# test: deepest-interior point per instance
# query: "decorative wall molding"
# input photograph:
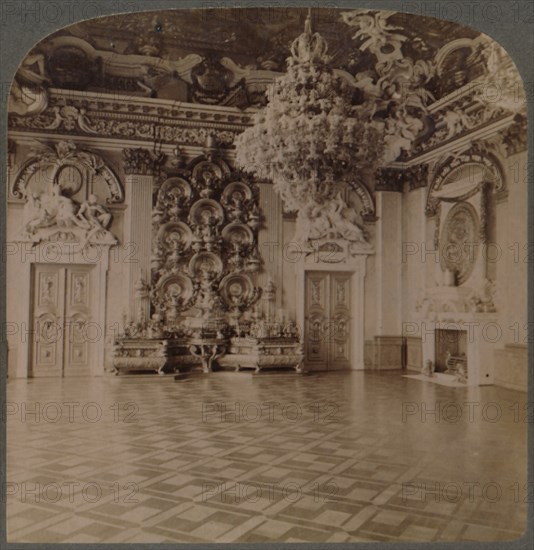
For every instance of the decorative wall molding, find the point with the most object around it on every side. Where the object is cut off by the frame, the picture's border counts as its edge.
(479, 154)
(11, 152)
(368, 212)
(65, 155)
(132, 118)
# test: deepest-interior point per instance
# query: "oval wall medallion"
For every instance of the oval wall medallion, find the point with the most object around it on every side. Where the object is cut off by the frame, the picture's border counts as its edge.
(459, 241)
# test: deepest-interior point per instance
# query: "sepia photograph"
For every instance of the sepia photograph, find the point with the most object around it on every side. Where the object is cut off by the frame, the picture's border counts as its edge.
(266, 278)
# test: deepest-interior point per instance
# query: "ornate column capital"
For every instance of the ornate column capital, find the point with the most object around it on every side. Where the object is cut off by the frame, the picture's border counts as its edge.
(393, 179)
(390, 179)
(140, 161)
(417, 176)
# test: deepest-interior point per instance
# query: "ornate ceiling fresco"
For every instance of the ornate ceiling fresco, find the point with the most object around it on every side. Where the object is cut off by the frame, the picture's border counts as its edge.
(408, 66)
(201, 55)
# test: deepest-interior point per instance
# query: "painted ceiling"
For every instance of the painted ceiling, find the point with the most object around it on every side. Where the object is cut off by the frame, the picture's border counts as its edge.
(258, 37)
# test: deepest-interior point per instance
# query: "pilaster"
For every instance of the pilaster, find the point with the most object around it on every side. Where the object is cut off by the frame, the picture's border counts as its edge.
(139, 167)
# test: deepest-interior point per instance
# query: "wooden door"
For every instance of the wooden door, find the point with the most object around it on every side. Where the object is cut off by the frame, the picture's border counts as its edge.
(328, 320)
(63, 331)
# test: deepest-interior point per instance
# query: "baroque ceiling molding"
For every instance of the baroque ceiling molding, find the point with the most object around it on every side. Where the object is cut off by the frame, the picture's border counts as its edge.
(87, 113)
(113, 64)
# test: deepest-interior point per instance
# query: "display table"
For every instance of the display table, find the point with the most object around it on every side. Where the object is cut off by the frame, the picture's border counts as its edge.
(140, 354)
(185, 354)
(260, 353)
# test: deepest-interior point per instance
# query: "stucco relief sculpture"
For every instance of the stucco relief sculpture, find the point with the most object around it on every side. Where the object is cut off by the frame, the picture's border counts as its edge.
(335, 220)
(53, 214)
(68, 166)
(94, 215)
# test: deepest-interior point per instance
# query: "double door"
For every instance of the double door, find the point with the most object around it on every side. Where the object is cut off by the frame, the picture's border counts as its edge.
(328, 321)
(63, 333)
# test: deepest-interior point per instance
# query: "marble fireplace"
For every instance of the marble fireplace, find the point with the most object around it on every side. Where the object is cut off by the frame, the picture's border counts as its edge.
(478, 332)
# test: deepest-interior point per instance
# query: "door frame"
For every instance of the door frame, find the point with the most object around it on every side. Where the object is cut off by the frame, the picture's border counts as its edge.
(328, 278)
(67, 254)
(356, 267)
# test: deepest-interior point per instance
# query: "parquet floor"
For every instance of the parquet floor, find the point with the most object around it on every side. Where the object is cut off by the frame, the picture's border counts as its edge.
(232, 457)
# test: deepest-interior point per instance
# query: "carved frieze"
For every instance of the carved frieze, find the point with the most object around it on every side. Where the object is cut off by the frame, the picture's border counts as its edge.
(133, 118)
(417, 176)
(393, 179)
(456, 120)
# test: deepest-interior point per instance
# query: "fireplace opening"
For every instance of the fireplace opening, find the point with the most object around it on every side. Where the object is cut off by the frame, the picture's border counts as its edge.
(451, 351)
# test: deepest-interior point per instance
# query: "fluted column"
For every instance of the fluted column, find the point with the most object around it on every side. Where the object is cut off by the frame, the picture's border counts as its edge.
(139, 168)
(270, 240)
(388, 262)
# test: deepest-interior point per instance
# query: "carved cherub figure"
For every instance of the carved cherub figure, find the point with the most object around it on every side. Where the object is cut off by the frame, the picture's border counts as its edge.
(94, 214)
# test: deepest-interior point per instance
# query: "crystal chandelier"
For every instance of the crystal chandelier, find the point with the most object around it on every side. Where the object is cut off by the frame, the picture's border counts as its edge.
(320, 129)
(309, 136)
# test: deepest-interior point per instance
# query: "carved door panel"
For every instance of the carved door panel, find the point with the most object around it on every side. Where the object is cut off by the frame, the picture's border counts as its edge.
(339, 340)
(61, 317)
(48, 310)
(327, 320)
(316, 318)
(81, 334)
